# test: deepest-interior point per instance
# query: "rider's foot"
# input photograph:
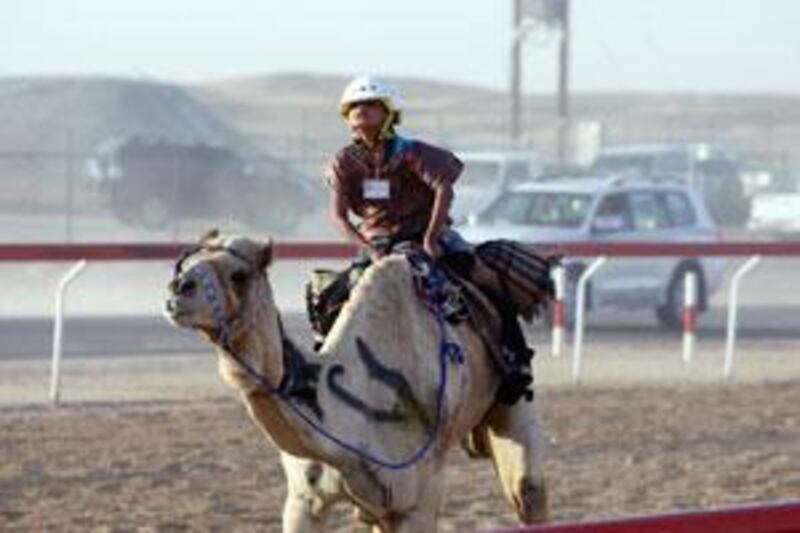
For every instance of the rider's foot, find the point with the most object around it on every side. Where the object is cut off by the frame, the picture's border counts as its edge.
(515, 385)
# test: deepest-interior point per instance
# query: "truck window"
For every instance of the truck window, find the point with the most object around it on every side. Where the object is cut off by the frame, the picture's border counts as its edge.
(680, 210)
(614, 214)
(648, 212)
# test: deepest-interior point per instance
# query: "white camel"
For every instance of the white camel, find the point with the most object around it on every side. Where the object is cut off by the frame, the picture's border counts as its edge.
(374, 385)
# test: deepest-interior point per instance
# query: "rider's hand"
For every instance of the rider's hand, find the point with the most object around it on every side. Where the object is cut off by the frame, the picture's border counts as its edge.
(432, 247)
(376, 255)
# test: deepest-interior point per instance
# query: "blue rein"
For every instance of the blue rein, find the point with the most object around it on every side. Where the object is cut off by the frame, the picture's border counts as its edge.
(447, 351)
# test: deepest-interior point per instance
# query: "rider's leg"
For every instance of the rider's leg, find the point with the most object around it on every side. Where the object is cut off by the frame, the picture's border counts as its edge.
(325, 298)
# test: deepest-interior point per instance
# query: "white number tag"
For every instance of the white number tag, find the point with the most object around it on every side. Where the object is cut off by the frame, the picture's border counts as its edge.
(376, 189)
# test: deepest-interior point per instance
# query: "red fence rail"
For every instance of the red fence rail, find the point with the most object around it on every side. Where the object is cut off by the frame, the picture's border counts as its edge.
(772, 518)
(337, 250)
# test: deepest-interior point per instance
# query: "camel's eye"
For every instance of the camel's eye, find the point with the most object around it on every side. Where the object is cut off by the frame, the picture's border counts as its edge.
(239, 277)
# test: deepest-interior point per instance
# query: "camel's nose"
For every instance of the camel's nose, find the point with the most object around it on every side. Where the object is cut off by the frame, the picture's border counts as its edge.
(183, 286)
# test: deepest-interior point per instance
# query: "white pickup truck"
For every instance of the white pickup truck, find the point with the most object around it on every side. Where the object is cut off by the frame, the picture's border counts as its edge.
(776, 214)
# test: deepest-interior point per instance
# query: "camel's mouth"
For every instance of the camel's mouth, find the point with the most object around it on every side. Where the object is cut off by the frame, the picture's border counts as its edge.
(178, 312)
(173, 312)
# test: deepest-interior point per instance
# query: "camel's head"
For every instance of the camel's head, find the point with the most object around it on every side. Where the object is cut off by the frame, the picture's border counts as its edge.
(213, 283)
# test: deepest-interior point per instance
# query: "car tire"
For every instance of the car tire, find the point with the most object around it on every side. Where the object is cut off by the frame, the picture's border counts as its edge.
(670, 314)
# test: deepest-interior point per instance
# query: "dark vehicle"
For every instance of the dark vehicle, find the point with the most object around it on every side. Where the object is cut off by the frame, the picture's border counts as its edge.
(155, 183)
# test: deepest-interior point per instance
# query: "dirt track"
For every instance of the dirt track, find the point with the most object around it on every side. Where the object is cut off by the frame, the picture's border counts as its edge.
(202, 465)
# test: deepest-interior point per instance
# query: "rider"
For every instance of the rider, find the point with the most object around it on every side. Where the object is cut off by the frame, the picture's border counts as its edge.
(400, 188)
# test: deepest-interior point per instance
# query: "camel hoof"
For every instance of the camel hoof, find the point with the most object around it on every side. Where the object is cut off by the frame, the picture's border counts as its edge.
(531, 501)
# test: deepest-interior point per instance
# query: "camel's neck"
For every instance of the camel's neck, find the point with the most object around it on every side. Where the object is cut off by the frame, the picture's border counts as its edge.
(369, 373)
(285, 381)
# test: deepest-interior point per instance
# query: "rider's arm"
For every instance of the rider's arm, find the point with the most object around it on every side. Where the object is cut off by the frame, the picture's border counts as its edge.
(335, 178)
(342, 220)
(439, 216)
(439, 169)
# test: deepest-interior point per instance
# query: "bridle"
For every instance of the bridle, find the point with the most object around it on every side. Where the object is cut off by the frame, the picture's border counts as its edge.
(224, 324)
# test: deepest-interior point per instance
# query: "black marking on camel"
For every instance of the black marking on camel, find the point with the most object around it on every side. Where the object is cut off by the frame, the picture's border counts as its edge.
(300, 378)
(390, 377)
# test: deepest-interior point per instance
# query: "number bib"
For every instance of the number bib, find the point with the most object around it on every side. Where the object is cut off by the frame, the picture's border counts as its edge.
(376, 189)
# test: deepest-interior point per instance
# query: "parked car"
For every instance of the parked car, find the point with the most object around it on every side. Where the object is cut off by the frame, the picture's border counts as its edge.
(776, 214)
(488, 173)
(615, 209)
(714, 171)
(153, 183)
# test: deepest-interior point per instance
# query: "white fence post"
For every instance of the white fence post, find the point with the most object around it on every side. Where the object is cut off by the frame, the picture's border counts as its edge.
(733, 310)
(55, 370)
(689, 315)
(580, 311)
(559, 280)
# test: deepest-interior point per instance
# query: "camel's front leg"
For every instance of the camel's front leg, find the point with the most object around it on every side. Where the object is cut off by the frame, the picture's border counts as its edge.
(312, 489)
(515, 442)
(299, 517)
(424, 515)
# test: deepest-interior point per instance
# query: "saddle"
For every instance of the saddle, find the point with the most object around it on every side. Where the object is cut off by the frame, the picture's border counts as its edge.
(491, 288)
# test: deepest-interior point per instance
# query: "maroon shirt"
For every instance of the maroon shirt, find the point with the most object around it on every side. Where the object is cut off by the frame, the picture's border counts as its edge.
(393, 195)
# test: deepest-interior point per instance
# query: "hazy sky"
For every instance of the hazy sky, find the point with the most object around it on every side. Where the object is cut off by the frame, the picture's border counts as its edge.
(730, 45)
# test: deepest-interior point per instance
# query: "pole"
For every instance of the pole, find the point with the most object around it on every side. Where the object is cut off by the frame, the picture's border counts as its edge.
(559, 279)
(563, 83)
(733, 312)
(58, 328)
(516, 73)
(689, 315)
(580, 312)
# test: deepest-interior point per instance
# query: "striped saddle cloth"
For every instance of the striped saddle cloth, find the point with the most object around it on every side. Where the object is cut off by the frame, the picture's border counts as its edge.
(524, 274)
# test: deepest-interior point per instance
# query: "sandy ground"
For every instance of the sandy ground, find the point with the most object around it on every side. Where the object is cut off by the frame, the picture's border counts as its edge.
(201, 465)
(158, 444)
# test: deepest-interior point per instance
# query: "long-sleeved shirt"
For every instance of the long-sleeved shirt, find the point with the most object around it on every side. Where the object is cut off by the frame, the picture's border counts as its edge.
(391, 189)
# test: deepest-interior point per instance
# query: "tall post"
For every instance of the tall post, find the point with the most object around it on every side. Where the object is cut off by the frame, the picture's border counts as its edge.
(563, 82)
(516, 73)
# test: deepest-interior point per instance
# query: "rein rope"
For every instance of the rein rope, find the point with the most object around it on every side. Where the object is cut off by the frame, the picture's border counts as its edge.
(448, 351)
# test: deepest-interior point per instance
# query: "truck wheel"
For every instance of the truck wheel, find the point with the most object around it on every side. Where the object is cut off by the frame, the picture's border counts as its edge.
(670, 315)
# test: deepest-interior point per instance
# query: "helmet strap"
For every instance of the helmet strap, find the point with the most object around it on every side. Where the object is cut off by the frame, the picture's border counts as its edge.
(387, 130)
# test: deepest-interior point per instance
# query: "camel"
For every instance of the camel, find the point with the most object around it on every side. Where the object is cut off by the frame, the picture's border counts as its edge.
(345, 418)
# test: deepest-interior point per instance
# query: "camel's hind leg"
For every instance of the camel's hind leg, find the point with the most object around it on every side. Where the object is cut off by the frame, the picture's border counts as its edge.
(515, 442)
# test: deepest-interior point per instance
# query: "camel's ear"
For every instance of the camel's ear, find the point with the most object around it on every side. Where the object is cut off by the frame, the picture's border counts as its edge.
(210, 235)
(265, 255)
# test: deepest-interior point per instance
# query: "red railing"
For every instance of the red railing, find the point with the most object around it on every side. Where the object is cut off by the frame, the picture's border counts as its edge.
(336, 250)
(771, 518)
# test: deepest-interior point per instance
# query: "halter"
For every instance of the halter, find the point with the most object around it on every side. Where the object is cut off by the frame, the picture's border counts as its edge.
(222, 324)
(448, 352)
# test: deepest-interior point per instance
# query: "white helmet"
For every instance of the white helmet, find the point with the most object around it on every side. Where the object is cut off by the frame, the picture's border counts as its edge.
(364, 88)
